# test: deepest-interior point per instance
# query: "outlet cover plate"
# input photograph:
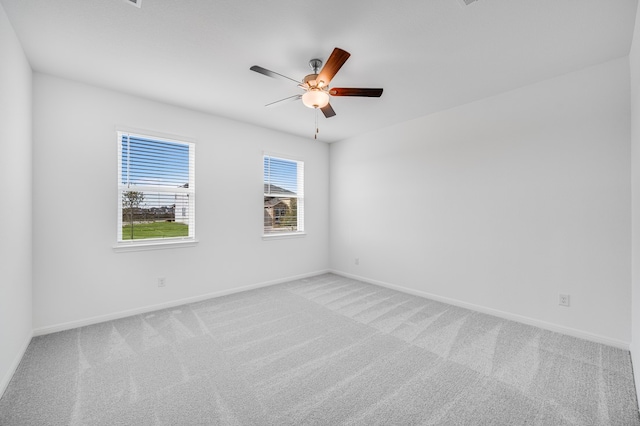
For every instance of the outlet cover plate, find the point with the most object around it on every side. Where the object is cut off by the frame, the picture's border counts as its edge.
(563, 300)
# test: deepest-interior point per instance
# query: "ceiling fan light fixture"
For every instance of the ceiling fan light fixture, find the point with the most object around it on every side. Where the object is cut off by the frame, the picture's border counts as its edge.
(315, 98)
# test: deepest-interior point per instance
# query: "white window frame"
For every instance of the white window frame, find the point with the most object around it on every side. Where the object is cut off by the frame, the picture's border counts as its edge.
(299, 195)
(156, 243)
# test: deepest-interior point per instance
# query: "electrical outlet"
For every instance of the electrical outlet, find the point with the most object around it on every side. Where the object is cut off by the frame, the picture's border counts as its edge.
(563, 300)
(357, 261)
(162, 281)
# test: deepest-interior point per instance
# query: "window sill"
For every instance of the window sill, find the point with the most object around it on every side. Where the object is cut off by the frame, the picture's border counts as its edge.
(283, 236)
(153, 245)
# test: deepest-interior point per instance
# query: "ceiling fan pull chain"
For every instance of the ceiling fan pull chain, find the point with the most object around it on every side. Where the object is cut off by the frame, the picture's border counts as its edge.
(317, 130)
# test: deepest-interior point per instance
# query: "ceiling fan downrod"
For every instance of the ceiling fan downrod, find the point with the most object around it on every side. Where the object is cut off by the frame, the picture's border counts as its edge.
(315, 65)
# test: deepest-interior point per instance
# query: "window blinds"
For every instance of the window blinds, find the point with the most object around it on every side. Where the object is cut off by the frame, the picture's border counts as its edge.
(156, 182)
(283, 195)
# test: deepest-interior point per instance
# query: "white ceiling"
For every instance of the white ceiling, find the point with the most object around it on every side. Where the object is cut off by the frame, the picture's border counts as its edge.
(428, 55)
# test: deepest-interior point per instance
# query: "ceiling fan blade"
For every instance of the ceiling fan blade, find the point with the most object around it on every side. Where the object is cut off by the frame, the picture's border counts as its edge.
(272, 74)
(281, 101)
(328, 111)
(334, 63)
(352, 91)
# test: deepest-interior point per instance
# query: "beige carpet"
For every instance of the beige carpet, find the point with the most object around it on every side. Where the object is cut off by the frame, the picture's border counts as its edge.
(320, 351)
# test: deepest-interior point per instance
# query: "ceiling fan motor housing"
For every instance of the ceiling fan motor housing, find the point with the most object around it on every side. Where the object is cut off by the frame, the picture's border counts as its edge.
(310, 81)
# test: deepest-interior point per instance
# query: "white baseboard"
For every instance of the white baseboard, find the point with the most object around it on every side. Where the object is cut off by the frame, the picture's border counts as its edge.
(170, 304)
(495, 312)
(478, 308)
(4, 383)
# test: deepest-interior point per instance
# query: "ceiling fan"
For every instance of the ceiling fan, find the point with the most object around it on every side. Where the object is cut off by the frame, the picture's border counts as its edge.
(316, 85)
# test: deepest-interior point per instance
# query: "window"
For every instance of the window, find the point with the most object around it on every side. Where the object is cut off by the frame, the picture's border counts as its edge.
(283, 196)
(156, 190)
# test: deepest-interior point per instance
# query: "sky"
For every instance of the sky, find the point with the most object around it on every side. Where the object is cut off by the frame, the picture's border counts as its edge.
(155, 162)
(280, 172)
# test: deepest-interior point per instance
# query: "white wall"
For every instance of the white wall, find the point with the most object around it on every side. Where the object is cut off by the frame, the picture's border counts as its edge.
(500, 204)
(634, 59)
(15, 208)
(78, 278)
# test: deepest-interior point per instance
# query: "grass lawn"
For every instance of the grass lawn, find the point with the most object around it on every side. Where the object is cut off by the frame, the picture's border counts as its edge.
(155, 230)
